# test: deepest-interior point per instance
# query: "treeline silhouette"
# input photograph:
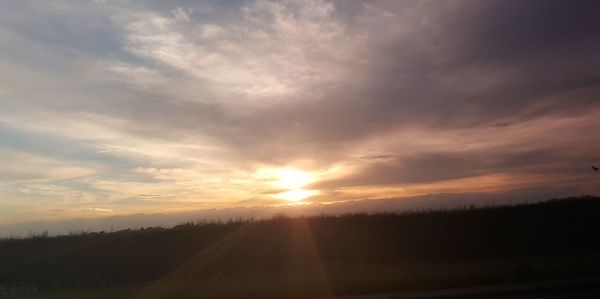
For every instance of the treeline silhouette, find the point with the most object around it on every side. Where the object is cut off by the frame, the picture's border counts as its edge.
(348, 253)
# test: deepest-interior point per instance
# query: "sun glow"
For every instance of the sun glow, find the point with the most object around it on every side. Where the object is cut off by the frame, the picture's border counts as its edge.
(292, 178)
(297, 194)
(292, 181)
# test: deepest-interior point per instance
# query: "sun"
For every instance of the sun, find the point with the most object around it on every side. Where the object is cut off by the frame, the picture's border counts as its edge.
(297, 194)
(294, 180)
(289, 178)
(291, 181)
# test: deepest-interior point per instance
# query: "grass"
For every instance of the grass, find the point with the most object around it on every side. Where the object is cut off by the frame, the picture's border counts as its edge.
(312, 256)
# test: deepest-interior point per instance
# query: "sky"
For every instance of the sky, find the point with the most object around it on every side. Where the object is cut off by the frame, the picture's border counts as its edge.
(112, 108)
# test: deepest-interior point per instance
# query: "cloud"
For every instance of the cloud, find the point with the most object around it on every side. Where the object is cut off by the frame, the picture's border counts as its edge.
(28, 167)
(153, 105)
(180, 15)
(249, 59)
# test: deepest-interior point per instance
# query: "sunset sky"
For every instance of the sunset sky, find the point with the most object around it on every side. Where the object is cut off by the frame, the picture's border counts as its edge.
(126, 107)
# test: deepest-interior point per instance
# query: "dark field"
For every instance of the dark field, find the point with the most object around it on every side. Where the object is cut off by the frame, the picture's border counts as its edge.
(313, 256)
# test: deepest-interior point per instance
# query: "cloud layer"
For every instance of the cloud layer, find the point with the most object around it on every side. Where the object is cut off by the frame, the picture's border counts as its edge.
(127, 107)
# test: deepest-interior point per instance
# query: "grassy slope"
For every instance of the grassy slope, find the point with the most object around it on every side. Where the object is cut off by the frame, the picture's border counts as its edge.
(316, 256)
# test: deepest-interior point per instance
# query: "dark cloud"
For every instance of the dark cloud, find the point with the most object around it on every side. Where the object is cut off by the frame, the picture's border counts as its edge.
(517, 31)
(466, 65)
(433, 167)
(502, 59)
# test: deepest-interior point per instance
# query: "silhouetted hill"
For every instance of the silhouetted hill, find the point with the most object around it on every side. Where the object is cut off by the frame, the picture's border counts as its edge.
(321, 255)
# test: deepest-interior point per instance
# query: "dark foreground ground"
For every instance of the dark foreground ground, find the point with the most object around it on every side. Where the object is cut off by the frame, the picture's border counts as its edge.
(573, 288)
(328, 256)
